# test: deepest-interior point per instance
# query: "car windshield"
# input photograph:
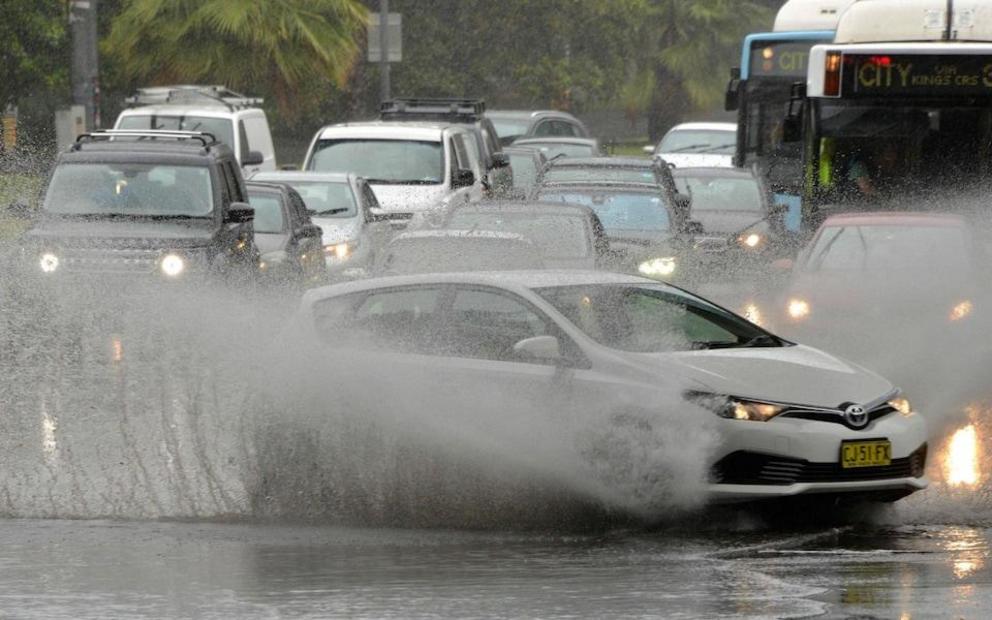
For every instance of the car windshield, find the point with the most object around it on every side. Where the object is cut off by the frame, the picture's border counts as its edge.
(599, 174)
(220, 128)
(268, 212)
(507, 128)
(652, 319)
(891, 249)
(565, 236)
(406, 256)
(327, 199)
(401, 162)
(524, 169)
(618, 211)
(130, 189)
(711, 193)
(718, 142)
(553, 149)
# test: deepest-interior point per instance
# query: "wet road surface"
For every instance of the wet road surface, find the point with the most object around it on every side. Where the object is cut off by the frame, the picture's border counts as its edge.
(100, 569)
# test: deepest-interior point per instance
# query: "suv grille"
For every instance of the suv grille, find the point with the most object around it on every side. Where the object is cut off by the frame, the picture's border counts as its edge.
(114, 260)
(753, 468)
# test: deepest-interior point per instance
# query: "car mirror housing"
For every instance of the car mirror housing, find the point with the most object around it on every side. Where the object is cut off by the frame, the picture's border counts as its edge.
(544, 348)
(19, 210)
(501, 160)
(239, 213)
(254, 158)
(463, 178)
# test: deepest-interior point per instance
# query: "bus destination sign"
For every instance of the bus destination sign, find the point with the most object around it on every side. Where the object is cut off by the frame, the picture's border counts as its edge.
(881, 75)
(780, 58)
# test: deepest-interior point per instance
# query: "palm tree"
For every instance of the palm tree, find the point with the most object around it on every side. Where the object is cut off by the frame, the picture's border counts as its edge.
(687, 49)
(290, 48)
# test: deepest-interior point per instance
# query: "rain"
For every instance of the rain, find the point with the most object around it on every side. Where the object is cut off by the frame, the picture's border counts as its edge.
(558, 309)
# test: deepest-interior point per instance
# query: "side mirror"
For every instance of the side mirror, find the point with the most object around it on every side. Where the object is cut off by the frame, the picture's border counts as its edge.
(792, 129)
(543, 348)
(732, 99)
(313, 231)
(239, 213)
(500, 160)
(648, 149)
(378, 214)
(254, 158)
(463, 178)
(694, 227)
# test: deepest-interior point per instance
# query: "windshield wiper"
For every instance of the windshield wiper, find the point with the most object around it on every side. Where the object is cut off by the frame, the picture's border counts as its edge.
(763, 340)
(687, 148)
(331, 211)
(717, 147)
(403, 182)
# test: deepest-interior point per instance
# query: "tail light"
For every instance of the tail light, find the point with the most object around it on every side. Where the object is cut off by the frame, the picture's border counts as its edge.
(831, 74)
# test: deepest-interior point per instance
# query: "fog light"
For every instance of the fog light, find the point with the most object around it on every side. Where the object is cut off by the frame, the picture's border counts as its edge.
(658, 267)
(340, 251)
(172, 265)
(48, 262)
(752, 240)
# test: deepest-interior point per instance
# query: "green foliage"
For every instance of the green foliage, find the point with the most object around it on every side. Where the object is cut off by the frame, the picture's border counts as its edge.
(289, 49)
(33, 49)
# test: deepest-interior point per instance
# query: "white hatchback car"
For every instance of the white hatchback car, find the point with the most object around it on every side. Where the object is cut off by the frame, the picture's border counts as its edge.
(792, 420)
(412, 167)
(698, 145)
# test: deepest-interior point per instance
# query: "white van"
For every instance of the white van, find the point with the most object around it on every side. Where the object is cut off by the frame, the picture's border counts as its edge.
(411, 167)
(230, 117)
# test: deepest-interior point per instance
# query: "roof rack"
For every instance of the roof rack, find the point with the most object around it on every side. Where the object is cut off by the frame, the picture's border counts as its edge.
(204, 138)
(443, 109)
(192, 94)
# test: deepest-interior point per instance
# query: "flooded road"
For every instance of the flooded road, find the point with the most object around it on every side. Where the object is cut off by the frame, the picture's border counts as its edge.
(100, 569)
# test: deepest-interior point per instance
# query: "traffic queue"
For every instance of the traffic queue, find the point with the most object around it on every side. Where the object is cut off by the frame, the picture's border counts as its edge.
(459, 240)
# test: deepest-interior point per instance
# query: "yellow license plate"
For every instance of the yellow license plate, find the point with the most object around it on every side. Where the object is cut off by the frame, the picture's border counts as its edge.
(876, 453)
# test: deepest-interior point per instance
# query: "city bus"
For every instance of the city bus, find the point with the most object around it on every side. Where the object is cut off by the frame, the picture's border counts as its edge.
(898, 109)
(760, 91)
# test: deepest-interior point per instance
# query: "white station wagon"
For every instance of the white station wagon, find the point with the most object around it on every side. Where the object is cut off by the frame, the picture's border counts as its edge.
(792, 420)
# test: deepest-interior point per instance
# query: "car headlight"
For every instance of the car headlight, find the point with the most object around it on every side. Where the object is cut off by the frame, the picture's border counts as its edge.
(751, 241)
(737, 408)
(961, 311)
(48, 262)
(798, 308)
(172, 265)
(658, 266)
(340, 251)
(902, 405)
(752, 313)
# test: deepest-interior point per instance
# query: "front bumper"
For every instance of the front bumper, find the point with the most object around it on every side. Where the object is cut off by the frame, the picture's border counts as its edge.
(791, 456)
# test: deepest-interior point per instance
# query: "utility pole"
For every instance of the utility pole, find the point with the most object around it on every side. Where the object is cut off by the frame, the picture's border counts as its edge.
(85, 61)
(384, 86)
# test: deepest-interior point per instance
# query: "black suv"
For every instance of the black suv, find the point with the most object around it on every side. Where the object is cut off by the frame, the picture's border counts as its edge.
(158, 206)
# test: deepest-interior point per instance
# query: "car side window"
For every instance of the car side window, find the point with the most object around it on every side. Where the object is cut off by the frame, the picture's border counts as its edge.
(568, 129)
(298, 209)
(544, 129)
(400, 320)
(486, 324)
(452, 159)
(243, 138)
(234, 188)
(461, 153)
(369, 202)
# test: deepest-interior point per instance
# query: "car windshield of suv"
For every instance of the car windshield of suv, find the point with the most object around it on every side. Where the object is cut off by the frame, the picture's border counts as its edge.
(220, 128)
(717, 142)
(916, 250)
(721, 193)
(565, 236)
(128, 189)
(327, 199)
(652, 319)
(618, 211)
(509, 129)
(599, 174)
(400, 162)
(269, 217)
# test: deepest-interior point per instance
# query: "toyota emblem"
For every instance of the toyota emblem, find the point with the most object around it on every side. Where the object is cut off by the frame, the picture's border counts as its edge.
(856, 416)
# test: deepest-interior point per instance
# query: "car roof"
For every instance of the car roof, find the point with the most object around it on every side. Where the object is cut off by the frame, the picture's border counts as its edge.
(715, 171)
(530, 207)
(170, 148)
(445, 233)
(522, 142)
(901, 218)
(388, 130)
(704, 127)
(601, 187)
(604, 162)
(288, 176)
(528, 279)
(207, 111)
(266, 187)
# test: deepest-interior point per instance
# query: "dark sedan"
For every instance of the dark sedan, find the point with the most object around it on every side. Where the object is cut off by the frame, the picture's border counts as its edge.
(287, 239)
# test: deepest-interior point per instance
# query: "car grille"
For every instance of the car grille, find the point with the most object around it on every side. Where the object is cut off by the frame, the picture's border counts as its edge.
(744, 467)
(837, 417)
(712, 245)
(109, 260)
